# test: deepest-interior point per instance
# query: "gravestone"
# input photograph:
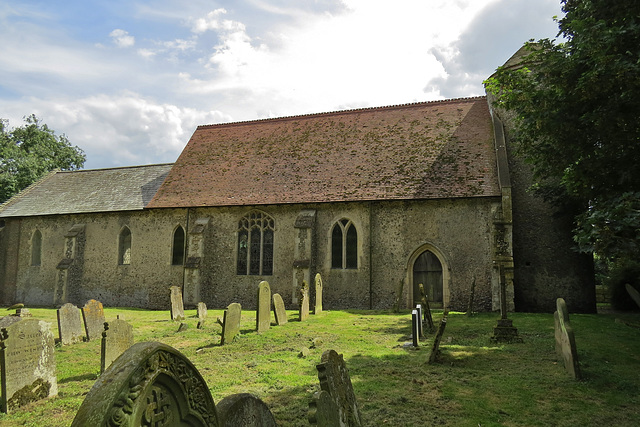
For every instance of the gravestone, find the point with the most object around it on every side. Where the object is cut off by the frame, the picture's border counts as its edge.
(27, 362)
(424, 302)
(318, 301)
(93, 316)
(177, 306)
(304, 301)
(435, 349)
(420, 323)
(279, 310)
(335, 380)
(152, 384)
(565, 339)
(70, 324)
(231, 323)
(117, 337)
(323, 410)
(244, 410)
(415, 329)
(635, 295)
(202, 314)
(263, 314)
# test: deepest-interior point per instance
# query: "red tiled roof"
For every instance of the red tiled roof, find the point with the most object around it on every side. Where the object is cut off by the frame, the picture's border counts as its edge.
(427, 150)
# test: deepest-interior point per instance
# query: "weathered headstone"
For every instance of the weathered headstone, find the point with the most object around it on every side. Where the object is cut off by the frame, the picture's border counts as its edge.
(93, 316)
(117, 337)
(565, 339)
(263, 314)
(335, 380)
(435, 349)
(70, 324)
(415, 329)
(244, 410)
(323, 410)
(304, 301)
(177, 306)
(420, 324)
(635, 295)
(279, 310)
(231, 322)
(152, 384)
(318, 292)
(424, 302)
(202, 314)
(27, 362)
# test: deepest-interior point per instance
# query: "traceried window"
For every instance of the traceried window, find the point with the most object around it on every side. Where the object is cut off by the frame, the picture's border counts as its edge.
(36, 248)
(344, 245)
(177, 250)
(124, 246)
(255, 244)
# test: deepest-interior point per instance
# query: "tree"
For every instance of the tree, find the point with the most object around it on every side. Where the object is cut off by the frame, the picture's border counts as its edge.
(576, 107)
(30, 151)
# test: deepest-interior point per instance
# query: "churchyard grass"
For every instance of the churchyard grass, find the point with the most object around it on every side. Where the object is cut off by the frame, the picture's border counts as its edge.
(474, 382)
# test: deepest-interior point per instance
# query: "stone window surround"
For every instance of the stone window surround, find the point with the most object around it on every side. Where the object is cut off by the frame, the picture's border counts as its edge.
(246, 264)
(178, 258)
(36, 248)
(345, 225)
(124, 246)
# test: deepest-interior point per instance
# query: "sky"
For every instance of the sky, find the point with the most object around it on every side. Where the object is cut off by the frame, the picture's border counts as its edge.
(128, 81)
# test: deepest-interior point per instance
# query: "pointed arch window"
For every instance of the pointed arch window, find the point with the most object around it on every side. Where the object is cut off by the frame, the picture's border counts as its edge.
(255, 244)
(344, 245)
(36, 248)
(177, 250)
(124, 246)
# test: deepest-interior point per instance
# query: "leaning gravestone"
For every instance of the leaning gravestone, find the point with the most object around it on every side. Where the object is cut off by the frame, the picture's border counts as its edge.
(424, 302)
(202, 314)
(244, 410)
(93, 315)
(435, 349)
(116, 339)
(318, 302)
(263, 314)
(279, 310)
(27, 362)
(304, 301)
(565, 339)
(231, 322)
(70, 324)
(177, 306)
(152, 384)
(335, 380)
(323, 410)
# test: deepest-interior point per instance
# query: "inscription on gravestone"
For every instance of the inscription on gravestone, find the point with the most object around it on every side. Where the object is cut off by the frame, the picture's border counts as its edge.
(304, 301)
(279, 310)
(27, 363)
(231, 322)
(318, 288)
(70, 324)
(177, 306)
(263, 314)
(93, 316)
(116, 338)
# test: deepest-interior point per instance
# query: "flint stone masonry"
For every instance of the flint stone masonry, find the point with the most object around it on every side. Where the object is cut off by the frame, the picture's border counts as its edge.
(70, 324)
(27, 362)
(304, 301)
(116, 339)
(565, 339)
(335, 380)
(279, 310)
(177, 306)
(244, 410)
(263, 314)
(231, 322)
(93, 316)
(318, 294)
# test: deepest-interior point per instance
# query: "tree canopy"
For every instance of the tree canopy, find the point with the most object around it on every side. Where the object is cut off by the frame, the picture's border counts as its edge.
(29, 151)
(576, 107)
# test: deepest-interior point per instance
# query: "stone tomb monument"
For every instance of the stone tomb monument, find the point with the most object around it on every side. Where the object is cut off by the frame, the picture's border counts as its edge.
(565, 339)
(279, 310)
(116, 338)
(304, 301)
(263, 314)
(93, 316)
(317, 309)
(231, 323)
(202, 314)
(177, 306)
(27, 362)
(70, 324)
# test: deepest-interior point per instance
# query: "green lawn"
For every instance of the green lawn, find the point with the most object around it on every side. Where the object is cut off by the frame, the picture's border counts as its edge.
(474, 383)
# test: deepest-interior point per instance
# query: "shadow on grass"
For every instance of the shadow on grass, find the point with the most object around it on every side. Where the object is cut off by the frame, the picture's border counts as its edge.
(85, 377)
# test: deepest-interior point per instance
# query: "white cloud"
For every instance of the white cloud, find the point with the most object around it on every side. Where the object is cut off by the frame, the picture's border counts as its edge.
(122, 38)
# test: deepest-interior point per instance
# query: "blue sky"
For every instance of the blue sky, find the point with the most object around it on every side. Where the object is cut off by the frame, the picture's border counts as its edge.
(129, 81)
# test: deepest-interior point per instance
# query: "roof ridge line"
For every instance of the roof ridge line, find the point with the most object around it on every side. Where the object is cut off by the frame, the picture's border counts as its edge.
(117, 167)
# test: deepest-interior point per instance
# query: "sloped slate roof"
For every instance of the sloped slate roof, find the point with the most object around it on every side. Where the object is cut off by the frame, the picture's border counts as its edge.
(427, 150)
(84, 191)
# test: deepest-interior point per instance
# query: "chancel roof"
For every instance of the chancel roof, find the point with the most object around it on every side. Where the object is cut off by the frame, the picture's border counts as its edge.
(84, 191)
(439, 149)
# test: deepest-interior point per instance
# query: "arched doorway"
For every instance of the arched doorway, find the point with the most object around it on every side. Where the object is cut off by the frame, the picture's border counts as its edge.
(427, 269)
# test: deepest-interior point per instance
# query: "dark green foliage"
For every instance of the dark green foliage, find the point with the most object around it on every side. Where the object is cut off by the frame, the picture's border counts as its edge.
(618, 278)
(576, 102)
(30, 151)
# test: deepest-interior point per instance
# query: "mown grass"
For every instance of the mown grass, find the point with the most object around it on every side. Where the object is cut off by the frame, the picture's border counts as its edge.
(474, 383)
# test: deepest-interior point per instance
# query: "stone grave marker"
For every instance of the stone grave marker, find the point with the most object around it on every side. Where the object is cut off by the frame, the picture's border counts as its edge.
(420, 323)
(323, 410)
(565, 339)
(335, 380)
(424, 302)
(304, 301)
(244, 410)
(317, 309)
(231, 322)
(70, 324)
(152, 384)
(415, 329)
(202, 314)
(177, 306)
(435, 349)
(27, 362)
(93, 316)
(117, 337)
(278, 310)
(635, 295)
(263, 314)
